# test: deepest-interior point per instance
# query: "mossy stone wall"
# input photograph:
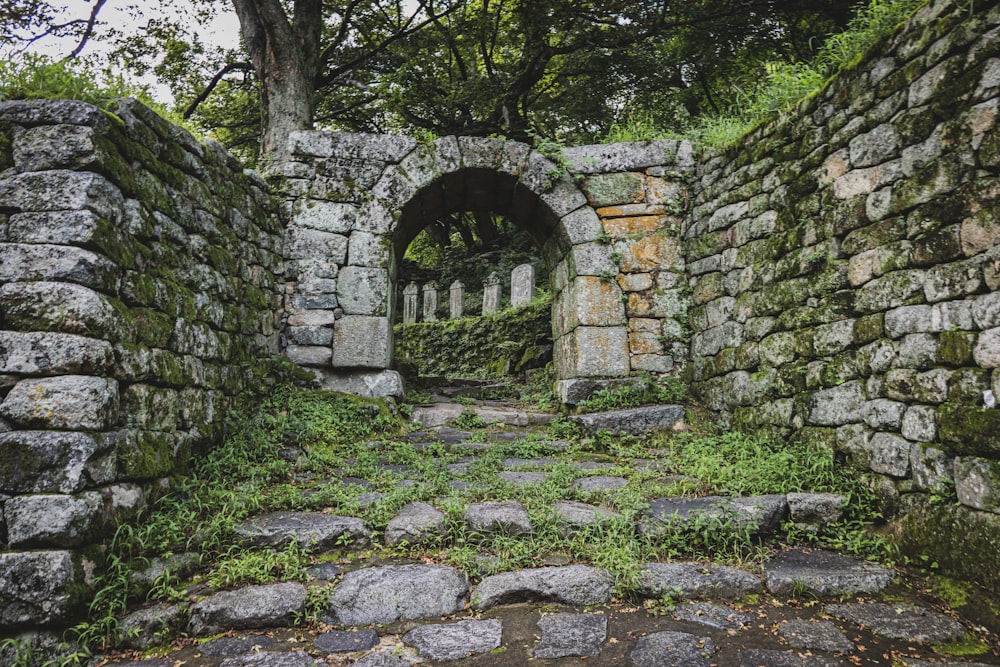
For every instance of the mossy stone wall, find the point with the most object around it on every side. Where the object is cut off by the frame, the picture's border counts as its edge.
(845, 267)
(138, 293)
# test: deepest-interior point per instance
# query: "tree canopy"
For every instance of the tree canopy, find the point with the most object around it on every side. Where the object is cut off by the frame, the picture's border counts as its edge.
(568, 70)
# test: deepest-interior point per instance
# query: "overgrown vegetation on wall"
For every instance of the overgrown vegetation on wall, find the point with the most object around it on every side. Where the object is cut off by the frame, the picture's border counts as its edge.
(488, 346)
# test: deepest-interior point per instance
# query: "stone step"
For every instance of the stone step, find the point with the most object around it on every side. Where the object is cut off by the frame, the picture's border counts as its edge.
(632, 421)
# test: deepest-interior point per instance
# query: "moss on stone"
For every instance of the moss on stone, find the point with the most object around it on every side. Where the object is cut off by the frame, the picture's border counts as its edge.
(965, 429)
(868, 328)
(148, 455)
(955, 347)
(6, 146)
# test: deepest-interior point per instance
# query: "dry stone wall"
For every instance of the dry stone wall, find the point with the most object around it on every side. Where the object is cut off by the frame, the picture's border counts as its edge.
(137, 291)
(845, 265)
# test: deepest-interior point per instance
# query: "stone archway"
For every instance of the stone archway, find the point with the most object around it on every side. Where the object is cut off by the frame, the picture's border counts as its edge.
(455, 174)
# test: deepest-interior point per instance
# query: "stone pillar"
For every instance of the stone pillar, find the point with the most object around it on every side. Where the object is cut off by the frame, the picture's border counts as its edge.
(522, 285)
(491, 294)
(457, 299)
(410, 303)
(430, 301)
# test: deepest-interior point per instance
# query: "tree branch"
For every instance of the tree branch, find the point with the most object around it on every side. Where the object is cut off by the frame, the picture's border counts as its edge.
(88, 30)
(203, 95)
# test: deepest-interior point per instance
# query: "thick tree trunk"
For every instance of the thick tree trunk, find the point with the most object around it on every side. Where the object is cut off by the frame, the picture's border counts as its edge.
(284, 55)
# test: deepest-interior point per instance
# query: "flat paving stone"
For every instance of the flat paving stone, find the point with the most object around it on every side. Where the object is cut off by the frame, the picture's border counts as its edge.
(713, 615)
(458, 468)
(900, 621)
(815, 636)
(149, 662)
(763, 513)
(346, 641)
(582, 514)
(600, 483)
(571, 635)
(771, 658)
(522, 478)
(225, 647)
(453, 641)
(398, 592)
(368, 499)
(248, 608)
(571, 584)
(824, 573)
(634, 421)
(816, 508)
(589, 466)
(695, 580)
(672, 648)
(323, 571)
(415, 522)
(384, 659)
(272, 659)
(149, 626)
(527, 463)
(498, 516)
(310, 529)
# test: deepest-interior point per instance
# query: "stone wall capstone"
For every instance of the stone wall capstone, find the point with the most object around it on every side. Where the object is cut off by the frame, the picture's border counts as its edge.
(137, 289)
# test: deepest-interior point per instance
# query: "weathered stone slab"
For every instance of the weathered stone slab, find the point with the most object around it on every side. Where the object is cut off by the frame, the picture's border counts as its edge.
(823, 573)
(47, 461)
(225, 647)
(70, 402)
(695, 580)
(600, 483)
(415, 522)
(398, 592)
(504, 516)
(346, 641)
(311, 530)
(571, 635)
(271, 659)
(763, 513)
(384, 659)
(713, 615)
(361, 341)
(815, 636)
(454, 641)
(582, 514)
(522, 478)
(62, 307)
(768, 658)
(572, 584)
(37, 261)
(900, 621)
(53, 520)
(634, 421)
(672, 648)
(609, 158)
(150, 626)
(816, 508)
(36, 353)
(248, 608)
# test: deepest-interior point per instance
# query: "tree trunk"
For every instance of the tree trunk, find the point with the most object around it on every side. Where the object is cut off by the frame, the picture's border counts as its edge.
(284, 55)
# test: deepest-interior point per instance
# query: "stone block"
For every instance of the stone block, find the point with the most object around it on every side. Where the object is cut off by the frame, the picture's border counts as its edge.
(367, 249)
(843, 404)
(581, 226)
(932, 469)
(493, 154)
(890, 291)
(303, 243)
(48, 461)
(78, 228)
(53, 520)
(318, 336)
(563, 198)
(36, 587)
(376, 384)
(351, 145)
(148, 407)
(919, 423)
(592, 259)
(61, 307)
(325, 216)
(609, 158)
(598, 302)
(882, 413)
(57, 147)
(363, 290)
(309, 355)
(712, 341)
(875, 147)
(919, 351)
(31, 262)
(616, 188)
(39, 353)
(361, 341)
(833, 338)
(977, 483)
(985, 310)
(62, 190)
(987, 350)
(889, 454)
(600, 351)
(70, 402)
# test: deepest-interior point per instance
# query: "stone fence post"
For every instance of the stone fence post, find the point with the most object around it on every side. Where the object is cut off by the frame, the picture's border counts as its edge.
(491, 294)
(522, 285)
(457, 299)
(410, 303)
(430, 302)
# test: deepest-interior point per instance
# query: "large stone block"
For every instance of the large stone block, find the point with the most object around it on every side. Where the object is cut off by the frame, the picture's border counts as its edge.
(843, 404)
(581, 226)
(597, 301)
(367, 249)
(62, 190)
(48, 461)
(57, 147)
(608, 158)
(35, 587)
(613, 189)
(325, 216)
(62, 307)
(376, 384)
(977, 483)
(363, 290)
(351, 145)
(361, 341)
(149, 407)
(38, 353)
(987, 350)
(29, 262)
(601, 351)
(592, 259)
(71, 402)
(301, 243)
(53, 520)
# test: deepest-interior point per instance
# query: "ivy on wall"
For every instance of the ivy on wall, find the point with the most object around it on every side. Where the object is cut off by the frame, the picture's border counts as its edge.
(490, 346)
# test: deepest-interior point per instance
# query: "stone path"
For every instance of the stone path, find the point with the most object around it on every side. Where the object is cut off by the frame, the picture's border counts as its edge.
(802, 607)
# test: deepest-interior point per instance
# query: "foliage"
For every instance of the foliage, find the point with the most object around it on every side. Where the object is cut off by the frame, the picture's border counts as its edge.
(489, 346)
(469, 420)
(784, 84)
(648, 390)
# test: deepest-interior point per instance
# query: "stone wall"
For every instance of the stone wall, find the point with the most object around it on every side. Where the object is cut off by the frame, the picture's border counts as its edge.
(137, 292)
(845, 263)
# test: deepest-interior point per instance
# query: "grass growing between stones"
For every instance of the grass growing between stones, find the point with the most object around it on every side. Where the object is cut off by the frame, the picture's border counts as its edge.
(317, 451)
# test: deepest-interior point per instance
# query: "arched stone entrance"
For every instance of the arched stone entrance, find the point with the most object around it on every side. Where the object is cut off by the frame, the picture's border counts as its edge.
(357, 201)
